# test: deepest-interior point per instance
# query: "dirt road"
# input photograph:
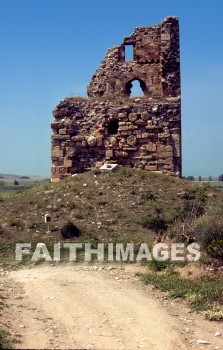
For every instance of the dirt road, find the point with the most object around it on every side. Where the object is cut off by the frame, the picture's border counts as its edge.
(97, 307)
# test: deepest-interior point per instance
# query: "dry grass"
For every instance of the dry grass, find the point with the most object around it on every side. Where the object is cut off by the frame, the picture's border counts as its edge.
(105, 207)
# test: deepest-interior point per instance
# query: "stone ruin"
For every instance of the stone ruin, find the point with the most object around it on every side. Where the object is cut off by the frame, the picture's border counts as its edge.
(110, 126)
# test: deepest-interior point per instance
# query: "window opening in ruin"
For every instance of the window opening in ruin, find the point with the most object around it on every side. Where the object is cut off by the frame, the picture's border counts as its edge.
(113, 127)
(135, 88)
(129, 52)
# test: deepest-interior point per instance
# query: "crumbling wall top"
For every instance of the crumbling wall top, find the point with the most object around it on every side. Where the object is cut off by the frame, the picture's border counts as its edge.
(155, 63)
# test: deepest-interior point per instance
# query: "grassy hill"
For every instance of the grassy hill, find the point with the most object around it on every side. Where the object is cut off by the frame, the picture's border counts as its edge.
(127, 206)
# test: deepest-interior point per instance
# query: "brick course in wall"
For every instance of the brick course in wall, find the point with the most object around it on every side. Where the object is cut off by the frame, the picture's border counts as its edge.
(110, 125)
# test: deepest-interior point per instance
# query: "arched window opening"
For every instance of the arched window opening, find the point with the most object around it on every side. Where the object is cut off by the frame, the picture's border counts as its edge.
(129, 52)
(135, 88)
(113, 127)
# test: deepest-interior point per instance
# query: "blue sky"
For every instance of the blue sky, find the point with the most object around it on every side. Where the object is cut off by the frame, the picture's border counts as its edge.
(51, 48)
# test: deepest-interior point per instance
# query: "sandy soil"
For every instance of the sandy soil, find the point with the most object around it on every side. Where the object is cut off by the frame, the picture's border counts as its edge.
(84, 306)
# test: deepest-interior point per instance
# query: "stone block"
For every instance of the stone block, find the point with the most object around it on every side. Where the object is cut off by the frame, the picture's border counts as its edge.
(151, 147)
(108, 168)
(132, 117)
(129, 148)
(121, 123)
(62, 131)
(99, 141)
(133, 127)
(151, 167)
(121, 154)
(98, 164)
(77, 138)
(109, 153)
(123, 128)
(68, 163)
(131, 140)
(165, 154)
(169, 148)
(91, 141)
(168, 161)
(62, 170)
(125, 133)
(140, 122)
(145, 116)
(56, 152)
(122, 115)
(141, 140)
(175, 137)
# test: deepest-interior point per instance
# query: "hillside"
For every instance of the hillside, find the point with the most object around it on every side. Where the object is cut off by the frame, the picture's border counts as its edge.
(125, 206)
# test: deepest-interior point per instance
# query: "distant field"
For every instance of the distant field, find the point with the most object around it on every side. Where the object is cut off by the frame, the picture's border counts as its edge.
(8, 186)
(217, 184)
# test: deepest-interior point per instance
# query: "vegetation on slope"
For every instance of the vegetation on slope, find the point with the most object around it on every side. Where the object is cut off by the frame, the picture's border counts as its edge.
(125, 206)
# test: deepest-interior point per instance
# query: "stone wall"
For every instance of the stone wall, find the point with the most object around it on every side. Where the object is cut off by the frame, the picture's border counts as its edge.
(110, 125)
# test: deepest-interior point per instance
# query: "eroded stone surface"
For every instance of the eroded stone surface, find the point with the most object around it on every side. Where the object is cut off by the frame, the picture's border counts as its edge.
(110, 125)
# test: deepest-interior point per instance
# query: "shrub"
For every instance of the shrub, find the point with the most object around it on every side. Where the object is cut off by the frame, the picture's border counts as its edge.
(156, 265)
(16, 223)
(154, 223)
(208, 229)
(200, 293)
(70, 230)
(149, 196)
(194, 204)
(215, 249)
(215, 313)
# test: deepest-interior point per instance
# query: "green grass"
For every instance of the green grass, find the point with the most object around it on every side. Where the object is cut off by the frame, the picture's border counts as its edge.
(7, 186)
(214, 183)
(201, 294)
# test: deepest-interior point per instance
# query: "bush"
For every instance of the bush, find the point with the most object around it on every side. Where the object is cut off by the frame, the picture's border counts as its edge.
(70, 230)
(208, 229)
(194, 204)
(215, 313)
(16, 223)
(156, 265)
(149, 196)
(215, 249)
(200, 293)
(154, 223)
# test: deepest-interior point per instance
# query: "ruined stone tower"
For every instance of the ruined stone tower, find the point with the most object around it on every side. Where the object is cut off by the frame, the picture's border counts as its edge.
(110, 125)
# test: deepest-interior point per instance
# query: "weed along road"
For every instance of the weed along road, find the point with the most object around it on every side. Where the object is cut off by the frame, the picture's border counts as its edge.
(102, 306)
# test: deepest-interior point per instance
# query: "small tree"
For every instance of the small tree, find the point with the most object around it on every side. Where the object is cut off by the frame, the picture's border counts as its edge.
(199, 178)
(16, 183)
(210, 178)
(190, 178)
